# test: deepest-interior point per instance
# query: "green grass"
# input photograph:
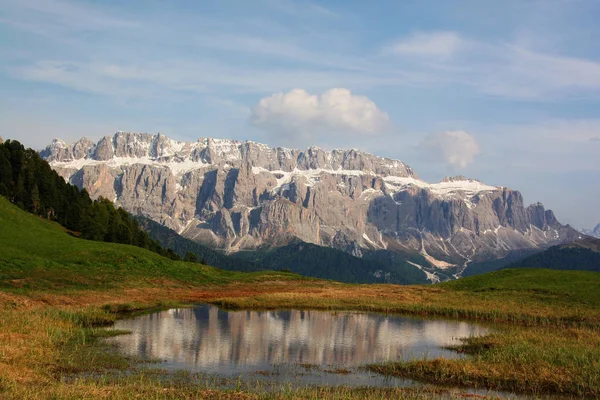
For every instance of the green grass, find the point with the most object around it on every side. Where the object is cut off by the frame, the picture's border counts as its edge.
(39, 255)
(574, 288)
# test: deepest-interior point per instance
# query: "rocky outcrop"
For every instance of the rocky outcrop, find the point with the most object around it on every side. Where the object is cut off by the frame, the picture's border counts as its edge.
(243, 195)
(60, 151)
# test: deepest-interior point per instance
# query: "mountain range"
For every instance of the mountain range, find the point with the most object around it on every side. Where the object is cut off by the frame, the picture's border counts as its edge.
(592, 232)
(245, 196)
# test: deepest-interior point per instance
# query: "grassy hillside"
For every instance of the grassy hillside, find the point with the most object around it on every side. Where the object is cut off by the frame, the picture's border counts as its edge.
(40, 254)
(30, 183)
(541, 285)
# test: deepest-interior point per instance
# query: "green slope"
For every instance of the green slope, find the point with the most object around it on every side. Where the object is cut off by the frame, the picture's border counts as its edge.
(31, 184)
(39, 254)
(545, 285)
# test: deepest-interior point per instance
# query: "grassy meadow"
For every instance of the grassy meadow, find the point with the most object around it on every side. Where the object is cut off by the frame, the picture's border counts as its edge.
(57, 292)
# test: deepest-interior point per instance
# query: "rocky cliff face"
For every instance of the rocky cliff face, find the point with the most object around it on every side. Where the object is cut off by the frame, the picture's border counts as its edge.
(243, 195)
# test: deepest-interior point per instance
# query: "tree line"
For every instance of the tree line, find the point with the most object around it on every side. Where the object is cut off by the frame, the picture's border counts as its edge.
(29, 182)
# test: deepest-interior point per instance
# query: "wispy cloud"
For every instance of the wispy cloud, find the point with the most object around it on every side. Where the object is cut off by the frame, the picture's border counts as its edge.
(139, 54)
(514, 71)
(62, 15)
(436, 44)
(171, 76)
(499, 68)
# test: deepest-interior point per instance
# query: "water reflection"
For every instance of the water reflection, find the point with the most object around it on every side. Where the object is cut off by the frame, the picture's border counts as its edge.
(208, 339)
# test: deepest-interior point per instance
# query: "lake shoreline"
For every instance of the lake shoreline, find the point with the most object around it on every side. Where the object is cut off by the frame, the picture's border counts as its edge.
(76, 319)
(297, 347)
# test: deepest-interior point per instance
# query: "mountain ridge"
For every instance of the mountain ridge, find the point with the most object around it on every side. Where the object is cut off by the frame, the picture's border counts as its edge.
(595, 232)
(236, 196)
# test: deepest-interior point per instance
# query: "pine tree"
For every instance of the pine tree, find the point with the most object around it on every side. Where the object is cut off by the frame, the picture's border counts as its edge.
(35, 198)
(190, 257)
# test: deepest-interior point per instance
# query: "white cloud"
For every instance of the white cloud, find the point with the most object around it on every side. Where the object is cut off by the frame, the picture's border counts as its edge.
(455, 148)
(305, 115)
(429, 44)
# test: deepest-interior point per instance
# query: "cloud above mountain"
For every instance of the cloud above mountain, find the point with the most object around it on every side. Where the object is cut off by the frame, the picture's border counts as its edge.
(336, 112)
(457, 149)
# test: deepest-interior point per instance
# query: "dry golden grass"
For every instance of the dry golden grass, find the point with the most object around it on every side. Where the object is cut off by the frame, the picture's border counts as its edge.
(43, 334)
(420, 300)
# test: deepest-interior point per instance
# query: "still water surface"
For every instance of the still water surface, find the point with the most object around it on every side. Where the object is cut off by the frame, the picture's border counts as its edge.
(298, 347)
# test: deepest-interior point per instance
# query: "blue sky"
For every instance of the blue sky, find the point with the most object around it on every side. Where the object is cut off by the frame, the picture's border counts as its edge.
(506, 92)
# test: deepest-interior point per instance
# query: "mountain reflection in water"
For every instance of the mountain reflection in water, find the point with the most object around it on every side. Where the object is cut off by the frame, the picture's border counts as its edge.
(205, 338)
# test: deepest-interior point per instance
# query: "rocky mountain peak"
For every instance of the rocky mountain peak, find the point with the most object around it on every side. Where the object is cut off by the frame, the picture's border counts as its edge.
(459, 178)
(58, 143)
(128, 147)
(456, 178)
(59, 150)
(592, 232)
(241, 195)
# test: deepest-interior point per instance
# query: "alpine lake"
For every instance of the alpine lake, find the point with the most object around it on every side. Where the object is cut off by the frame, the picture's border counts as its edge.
(290, 348)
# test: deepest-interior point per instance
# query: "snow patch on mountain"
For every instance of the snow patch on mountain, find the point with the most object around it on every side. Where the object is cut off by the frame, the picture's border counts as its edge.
(236, 195)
